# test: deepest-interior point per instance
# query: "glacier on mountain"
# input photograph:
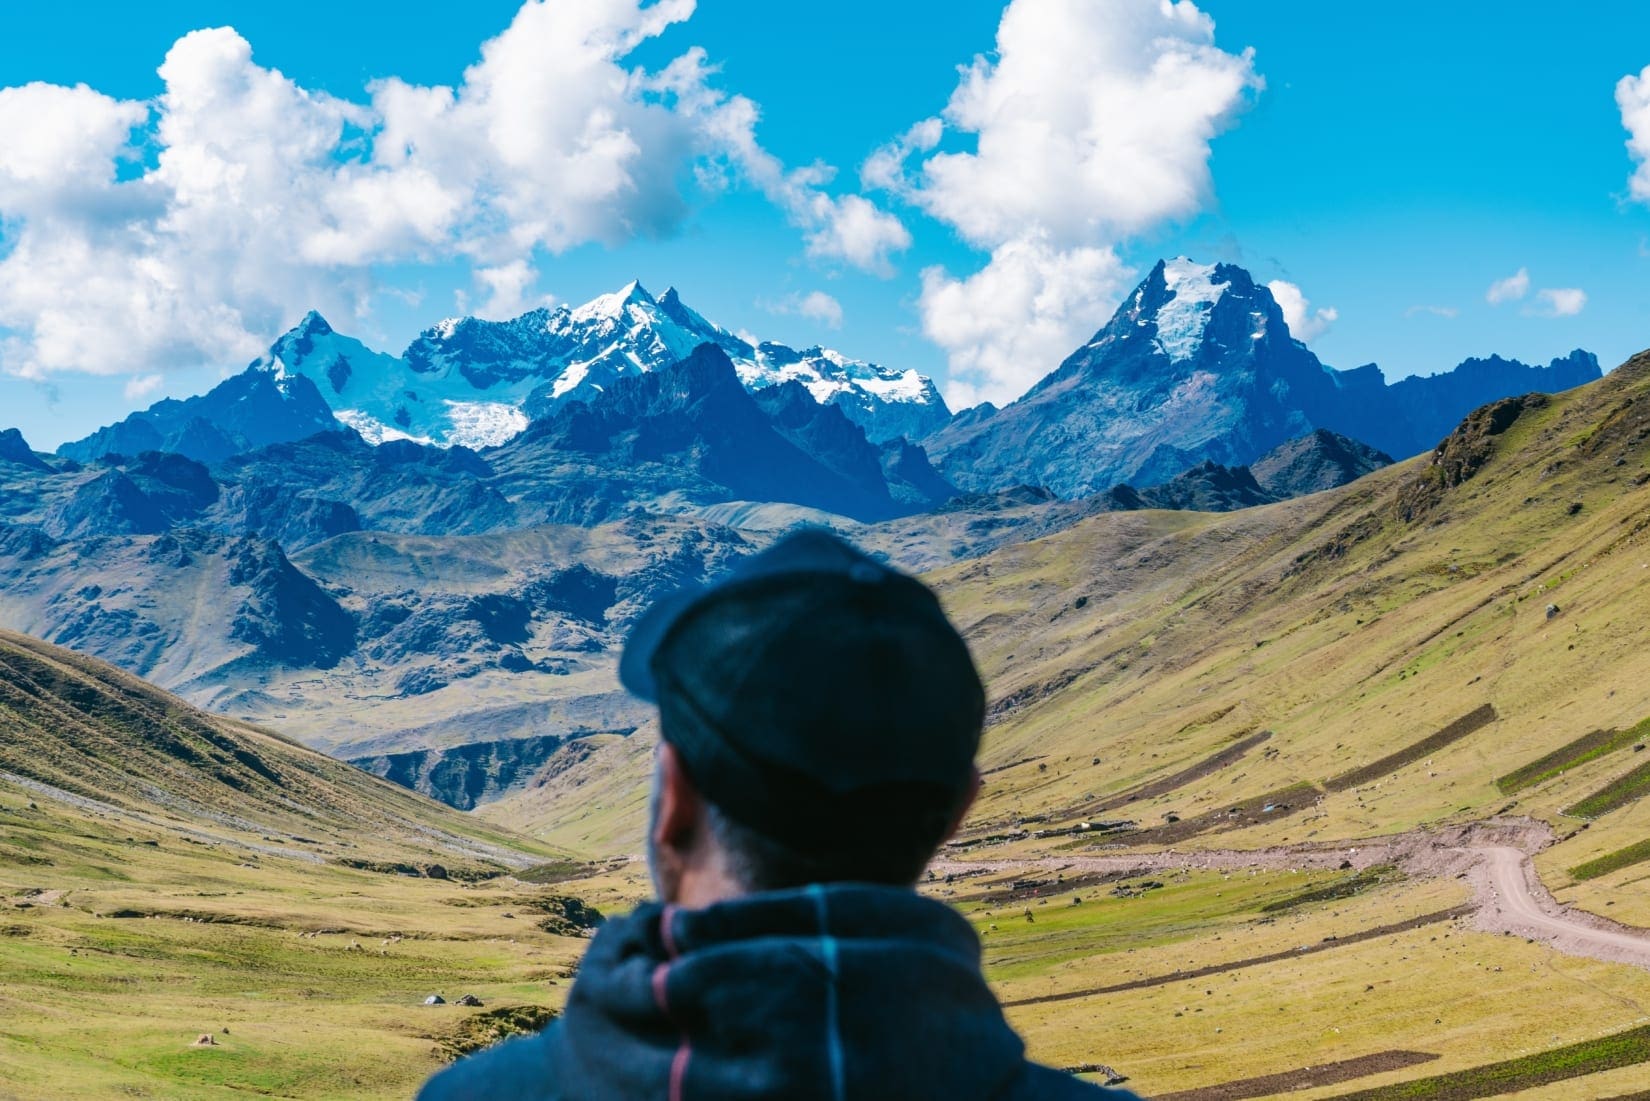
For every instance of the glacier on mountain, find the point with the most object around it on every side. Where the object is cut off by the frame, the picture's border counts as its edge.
(1183, 319)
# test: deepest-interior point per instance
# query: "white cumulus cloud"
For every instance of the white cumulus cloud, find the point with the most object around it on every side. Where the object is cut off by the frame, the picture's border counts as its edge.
(59, 136)
(884, 169)
(1510, 289)
(1305, 324)
(1008, 324)
(815, 306)
(1633, 97)
(1560, 302)
(138, 236)
(509, 290)
(142, 386)
(1091, 123)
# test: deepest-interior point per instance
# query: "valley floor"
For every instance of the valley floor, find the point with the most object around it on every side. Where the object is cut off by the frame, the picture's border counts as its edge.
(1421, 960)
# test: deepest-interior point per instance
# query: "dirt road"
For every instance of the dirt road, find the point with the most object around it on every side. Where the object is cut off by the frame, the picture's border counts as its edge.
(1510, 898)
(1493, 857)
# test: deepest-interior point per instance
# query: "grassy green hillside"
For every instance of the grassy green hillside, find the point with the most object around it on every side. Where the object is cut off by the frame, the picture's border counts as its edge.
(166, 874)
(84, 734)
(1152, 664)
(1354, 627)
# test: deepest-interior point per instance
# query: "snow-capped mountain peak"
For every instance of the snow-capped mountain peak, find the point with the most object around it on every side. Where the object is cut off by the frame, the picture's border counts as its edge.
(613, 306)
(476, 382)
(313, 324)
(1197, 365)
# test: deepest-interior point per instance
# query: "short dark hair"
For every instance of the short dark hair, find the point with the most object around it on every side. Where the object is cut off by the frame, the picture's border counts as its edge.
(759, 863)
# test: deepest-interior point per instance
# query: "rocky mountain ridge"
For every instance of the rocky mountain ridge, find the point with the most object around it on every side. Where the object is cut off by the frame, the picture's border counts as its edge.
(1199, 365)
(400, 598)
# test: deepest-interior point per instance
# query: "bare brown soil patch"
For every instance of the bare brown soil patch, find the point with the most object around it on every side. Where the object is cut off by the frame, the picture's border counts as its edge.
(1527, 1072)
(1344, 1070)
(1025, 889)
(1469, 723)
(1250, 812)
(1209, 765)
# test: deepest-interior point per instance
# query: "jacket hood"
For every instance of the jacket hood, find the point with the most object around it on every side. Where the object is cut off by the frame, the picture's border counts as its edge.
(824, 992)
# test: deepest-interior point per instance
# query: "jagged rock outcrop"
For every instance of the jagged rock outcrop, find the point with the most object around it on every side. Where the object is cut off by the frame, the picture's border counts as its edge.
(464, 776)
(694, 432)
(1315, 462)
(15, 449)
(1207, 487)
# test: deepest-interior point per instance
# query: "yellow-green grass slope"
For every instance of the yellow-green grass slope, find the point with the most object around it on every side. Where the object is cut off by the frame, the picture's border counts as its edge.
(165, 874)
(1352, 626)
(1206, 980)
(1511, 570)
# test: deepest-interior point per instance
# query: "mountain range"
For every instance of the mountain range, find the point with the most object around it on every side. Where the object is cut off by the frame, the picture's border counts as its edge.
(379, 595)
(1198, 364)
(478, 383)
(390, 600)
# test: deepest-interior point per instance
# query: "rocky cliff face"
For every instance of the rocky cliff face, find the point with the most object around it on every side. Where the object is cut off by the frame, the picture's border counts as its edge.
(1196, 365)
(14, 449)
(1315, 462)
(692, 432)
(467, 775)
(282, 613)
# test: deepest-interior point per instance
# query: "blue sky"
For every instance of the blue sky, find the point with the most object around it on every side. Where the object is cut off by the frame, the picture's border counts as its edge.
(1392, 162)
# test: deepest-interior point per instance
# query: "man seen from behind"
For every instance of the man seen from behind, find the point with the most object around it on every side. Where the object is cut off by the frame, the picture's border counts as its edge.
(819, 720)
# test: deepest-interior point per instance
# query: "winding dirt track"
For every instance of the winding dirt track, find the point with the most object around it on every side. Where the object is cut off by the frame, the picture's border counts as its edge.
(1493, 857)
(1510, 894)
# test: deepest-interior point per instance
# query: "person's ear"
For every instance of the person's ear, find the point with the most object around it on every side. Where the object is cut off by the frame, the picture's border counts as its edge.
(680, 810)
(975, 782)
